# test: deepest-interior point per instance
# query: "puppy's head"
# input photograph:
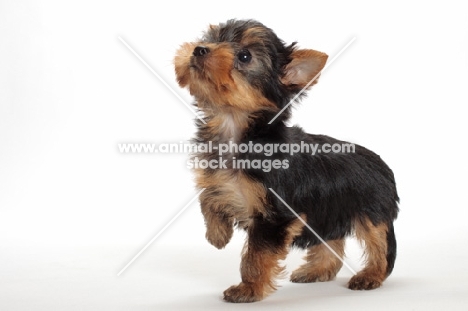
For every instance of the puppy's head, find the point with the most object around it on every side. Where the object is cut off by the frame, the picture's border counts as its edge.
(243, 64)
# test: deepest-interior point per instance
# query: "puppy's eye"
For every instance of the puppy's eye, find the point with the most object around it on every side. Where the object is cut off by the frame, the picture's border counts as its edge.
(244, 56)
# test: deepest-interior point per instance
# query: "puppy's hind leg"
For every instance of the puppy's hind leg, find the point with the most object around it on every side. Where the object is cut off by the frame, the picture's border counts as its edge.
(321, 264)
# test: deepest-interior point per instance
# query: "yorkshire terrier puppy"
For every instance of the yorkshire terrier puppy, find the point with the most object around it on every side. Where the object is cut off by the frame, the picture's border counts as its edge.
(242, 75)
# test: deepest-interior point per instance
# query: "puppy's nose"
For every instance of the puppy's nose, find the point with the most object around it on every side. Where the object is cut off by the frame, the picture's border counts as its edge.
(200, 51)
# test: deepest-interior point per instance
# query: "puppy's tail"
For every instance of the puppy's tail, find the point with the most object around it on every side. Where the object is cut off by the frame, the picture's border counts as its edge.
(391, 249)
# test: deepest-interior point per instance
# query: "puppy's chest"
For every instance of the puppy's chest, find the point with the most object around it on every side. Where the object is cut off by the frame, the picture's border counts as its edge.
(223, 133)
(230, 128)
(236, 192)
(228, 132)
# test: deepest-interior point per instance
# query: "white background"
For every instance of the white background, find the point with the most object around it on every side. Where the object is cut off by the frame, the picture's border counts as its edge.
(74, 211)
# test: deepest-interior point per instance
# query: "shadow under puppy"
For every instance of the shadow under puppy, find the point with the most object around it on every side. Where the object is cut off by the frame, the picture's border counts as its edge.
(242, 75)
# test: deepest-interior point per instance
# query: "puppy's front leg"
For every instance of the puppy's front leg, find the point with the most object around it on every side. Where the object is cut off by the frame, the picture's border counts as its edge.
(218, 220)
(267, 244)
(219, 227)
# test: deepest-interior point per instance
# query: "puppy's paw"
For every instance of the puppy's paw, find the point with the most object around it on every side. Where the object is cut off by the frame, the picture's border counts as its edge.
(219, 232)
(243, 292)
(301, 276)
(363, 281)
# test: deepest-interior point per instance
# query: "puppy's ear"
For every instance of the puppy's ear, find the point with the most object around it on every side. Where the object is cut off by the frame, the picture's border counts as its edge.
(304, 66)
